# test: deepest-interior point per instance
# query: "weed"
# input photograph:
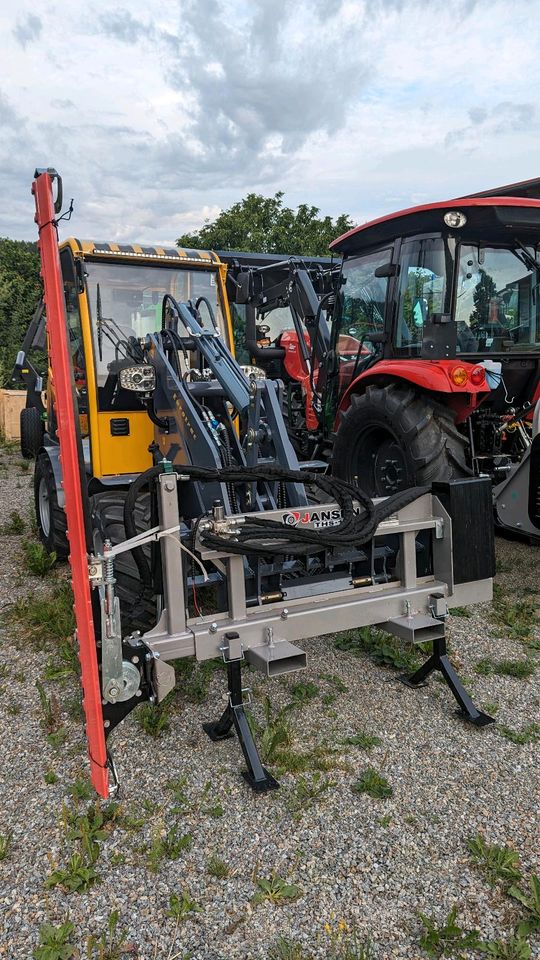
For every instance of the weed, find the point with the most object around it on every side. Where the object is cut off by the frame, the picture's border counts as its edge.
(520, 669)
(518, 617)
(37, 559)
(286, 949)
(529, 734)
(50, 777)
(66, 663)
(154, 719)
(491, 707)
(460, 612)
(363, 740)
(345, 944)
(178, 790)
(516, 948)
(304, 692)
(76, 877)
(381, 647)
(335, 681)
(15, 524)
(13, 708)
(181, 907)
(57, 738)
(308, 792)
(531, 901)
(74, 706)
(217, 868)
(81, 789)
(276, 890)
(437, 940)
(54, 942)
(24, 465)
(110, 944)
(88, 828)
(375, 785)
(499, 864)
(385, 821)
(167, 844)
(47, 618)
(328, 699)
(5, 845)
(193, 679)
(50, 709)
(276, 733)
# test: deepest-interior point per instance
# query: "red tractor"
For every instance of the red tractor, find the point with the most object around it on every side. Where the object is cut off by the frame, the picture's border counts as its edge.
(417, 356)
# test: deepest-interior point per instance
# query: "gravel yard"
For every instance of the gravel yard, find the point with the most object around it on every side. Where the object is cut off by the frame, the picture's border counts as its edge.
(345, 867)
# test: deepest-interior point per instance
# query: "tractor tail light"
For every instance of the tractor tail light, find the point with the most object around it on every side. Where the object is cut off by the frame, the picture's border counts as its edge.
(459, 376)
(478, 376)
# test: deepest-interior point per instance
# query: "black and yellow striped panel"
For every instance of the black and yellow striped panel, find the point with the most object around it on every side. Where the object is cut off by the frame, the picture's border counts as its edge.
(160, 253)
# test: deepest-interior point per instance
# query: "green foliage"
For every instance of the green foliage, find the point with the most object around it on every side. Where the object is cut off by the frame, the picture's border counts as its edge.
(262, 224)
(499, 864)
(217, 868)
(344, 944)
(48, 618)
(446, 939)
(37, 559)
(381, 647)
(154, 719)
(55, 942)
(374, 784)
(50, 777)
(20, 290)
(276, 890)
(531, 901)
(276, 733)
(5, 845)
(529, 734)
(309, 790)
(50, 710)
(460, 612)
(515, 948)
(76, 877)
(519, 669)
(15, 524)
(181, 907)
(304, 692)
(167, 844)
(193, 679)
(363, 740)
(286, 949)
(110, 944)
(518, 617)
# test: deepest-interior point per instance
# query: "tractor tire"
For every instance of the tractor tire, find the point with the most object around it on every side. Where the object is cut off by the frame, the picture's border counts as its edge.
(138, 608)
(392, 438)
(31, 432)
(50, 517)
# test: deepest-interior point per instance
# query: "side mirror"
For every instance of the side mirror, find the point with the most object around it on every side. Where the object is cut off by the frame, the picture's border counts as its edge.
(139, 378)
(387, 270)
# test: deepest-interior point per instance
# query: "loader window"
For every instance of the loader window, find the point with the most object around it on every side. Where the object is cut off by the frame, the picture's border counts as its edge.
(423, 291)
(125, 304)
(362, 302)
(497, 299)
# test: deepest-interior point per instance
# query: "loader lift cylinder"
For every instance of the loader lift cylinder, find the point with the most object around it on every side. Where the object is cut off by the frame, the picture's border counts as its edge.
(70, 458)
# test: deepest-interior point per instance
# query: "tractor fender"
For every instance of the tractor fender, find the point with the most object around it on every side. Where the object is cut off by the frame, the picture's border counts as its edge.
(432, 376)
(53, 452)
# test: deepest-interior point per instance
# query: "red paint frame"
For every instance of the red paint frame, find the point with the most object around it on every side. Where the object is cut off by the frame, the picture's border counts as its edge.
(69, 458)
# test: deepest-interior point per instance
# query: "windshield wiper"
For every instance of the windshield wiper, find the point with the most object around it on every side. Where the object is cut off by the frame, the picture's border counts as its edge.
(526, 258)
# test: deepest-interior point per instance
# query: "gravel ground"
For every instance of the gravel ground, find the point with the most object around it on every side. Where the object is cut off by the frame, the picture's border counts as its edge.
(367, 865)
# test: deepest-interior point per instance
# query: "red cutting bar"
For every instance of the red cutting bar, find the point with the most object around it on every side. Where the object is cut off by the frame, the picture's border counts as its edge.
(67, 435)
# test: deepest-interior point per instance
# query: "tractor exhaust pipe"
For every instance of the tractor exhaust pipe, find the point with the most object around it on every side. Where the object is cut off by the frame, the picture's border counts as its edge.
(276, 658)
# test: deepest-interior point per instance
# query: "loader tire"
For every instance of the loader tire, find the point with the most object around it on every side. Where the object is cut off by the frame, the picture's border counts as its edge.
(50, 517)
(31, 432)
(392, 438)
(137, 603)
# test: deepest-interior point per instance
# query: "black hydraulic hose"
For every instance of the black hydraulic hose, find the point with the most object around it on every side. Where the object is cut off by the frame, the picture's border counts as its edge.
(129, 520)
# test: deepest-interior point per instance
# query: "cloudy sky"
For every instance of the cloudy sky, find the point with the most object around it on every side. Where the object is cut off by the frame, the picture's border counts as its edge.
(157, 115)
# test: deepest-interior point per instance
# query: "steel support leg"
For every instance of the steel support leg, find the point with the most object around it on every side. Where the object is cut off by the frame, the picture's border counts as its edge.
(439, 661)
(259, 779)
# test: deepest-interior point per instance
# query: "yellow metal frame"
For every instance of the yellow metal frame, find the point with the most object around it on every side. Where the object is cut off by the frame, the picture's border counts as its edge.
(115, 456)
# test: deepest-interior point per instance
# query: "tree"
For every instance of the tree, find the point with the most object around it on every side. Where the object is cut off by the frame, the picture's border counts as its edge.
(20, 290)
(263, 225)
(485, 294)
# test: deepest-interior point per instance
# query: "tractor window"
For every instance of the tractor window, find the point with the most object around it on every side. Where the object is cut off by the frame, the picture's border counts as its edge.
(125, 302)
(422, 291)
(362, 303)
(497, 300)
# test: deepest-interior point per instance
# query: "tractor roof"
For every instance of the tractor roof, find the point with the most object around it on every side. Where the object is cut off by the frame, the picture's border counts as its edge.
(488, 217)
(137, 251)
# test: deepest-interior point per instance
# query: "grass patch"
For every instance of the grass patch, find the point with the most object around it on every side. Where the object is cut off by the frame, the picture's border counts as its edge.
(530, 901)
(303, 692)
(37, 559)
(109, 945)
(46, 619)
(518, 617)
(374, 784)
(5, 845)
(154, 718)
(50, 710)
(193, 679)
(15, 524)
(286, 949)
(364, 740)
(498, 864)
(275, 890)
(519, 669)
(529, 734)
(181, 907)
(76, 877)
(310, 790)
(515, 948)
(167, 845)
(217, 868)
(460, 612)
(381, 647)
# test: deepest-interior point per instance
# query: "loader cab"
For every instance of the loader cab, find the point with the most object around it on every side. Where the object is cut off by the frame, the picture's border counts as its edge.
(113, 297)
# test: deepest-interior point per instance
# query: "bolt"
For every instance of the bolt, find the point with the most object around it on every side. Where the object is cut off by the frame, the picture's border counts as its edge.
(169, 486)
(138, 693)
(213, 628)
(113, 692)
(134, 659)
(106, 723)
(284, 613)
(148, 657)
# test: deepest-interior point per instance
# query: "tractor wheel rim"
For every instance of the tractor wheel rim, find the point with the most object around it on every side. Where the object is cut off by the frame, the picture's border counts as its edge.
(44, 508)
(389, 468)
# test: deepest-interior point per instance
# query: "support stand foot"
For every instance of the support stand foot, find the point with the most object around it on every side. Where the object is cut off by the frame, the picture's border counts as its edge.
(439, 661)
(258, 778)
